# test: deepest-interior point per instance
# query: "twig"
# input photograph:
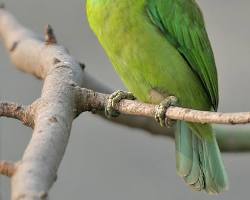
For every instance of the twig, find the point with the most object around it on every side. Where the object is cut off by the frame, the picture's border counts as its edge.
(92, 100)
(17, 111)
(50, 37)
(7, 168)
(230, 139)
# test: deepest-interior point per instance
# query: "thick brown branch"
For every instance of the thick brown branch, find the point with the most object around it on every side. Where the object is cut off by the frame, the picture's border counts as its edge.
(7, 168)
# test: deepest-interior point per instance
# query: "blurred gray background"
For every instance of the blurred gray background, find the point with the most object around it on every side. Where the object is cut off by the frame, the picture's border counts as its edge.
(107, 161)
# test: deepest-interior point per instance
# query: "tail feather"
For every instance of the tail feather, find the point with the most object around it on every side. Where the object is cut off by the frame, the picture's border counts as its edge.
(217, 177)
(195, 177)
(198, 161)
(184, 159)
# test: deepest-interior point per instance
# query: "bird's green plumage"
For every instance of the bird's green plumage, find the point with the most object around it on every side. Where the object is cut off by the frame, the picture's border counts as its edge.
(161, 48)
(182, 23)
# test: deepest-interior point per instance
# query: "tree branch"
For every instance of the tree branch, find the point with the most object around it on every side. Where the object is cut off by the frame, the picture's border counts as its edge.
(232, 139)
(91, 100)
(7, 168)
(55, 110)
(17, 111)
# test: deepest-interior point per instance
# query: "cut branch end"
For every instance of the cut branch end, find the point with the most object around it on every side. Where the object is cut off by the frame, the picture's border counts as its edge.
(49, 35)
(7, 169)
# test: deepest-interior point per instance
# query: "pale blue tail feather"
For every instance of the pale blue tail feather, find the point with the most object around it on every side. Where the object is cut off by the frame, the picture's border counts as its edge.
(198, 160)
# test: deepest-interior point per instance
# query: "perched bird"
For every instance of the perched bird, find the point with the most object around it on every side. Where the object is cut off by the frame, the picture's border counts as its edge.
(161, 48)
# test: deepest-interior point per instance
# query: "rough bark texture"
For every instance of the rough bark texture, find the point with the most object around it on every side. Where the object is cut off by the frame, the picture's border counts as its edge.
(55, 110)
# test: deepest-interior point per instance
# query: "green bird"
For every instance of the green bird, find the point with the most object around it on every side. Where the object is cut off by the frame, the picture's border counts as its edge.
(161, 48)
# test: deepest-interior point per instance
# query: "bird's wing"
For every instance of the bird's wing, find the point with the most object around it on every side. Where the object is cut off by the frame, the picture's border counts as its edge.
(182, 23)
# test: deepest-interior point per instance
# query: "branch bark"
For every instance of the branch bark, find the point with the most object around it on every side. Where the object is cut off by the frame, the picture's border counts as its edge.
(230, 139)
(17, 111)
(91, 100)
(55, 110)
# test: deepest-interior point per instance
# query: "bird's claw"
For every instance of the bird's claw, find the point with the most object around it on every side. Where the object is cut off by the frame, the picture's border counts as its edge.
(113, 100)
(160, 113)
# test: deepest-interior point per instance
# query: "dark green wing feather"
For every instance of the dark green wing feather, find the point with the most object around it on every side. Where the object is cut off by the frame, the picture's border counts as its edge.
(182, 23)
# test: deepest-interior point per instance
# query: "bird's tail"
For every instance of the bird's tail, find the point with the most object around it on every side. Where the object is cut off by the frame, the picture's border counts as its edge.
(198, 160)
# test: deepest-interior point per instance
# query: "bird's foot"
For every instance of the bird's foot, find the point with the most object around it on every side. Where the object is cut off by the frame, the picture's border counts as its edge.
(160, 113)
(113, 100)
